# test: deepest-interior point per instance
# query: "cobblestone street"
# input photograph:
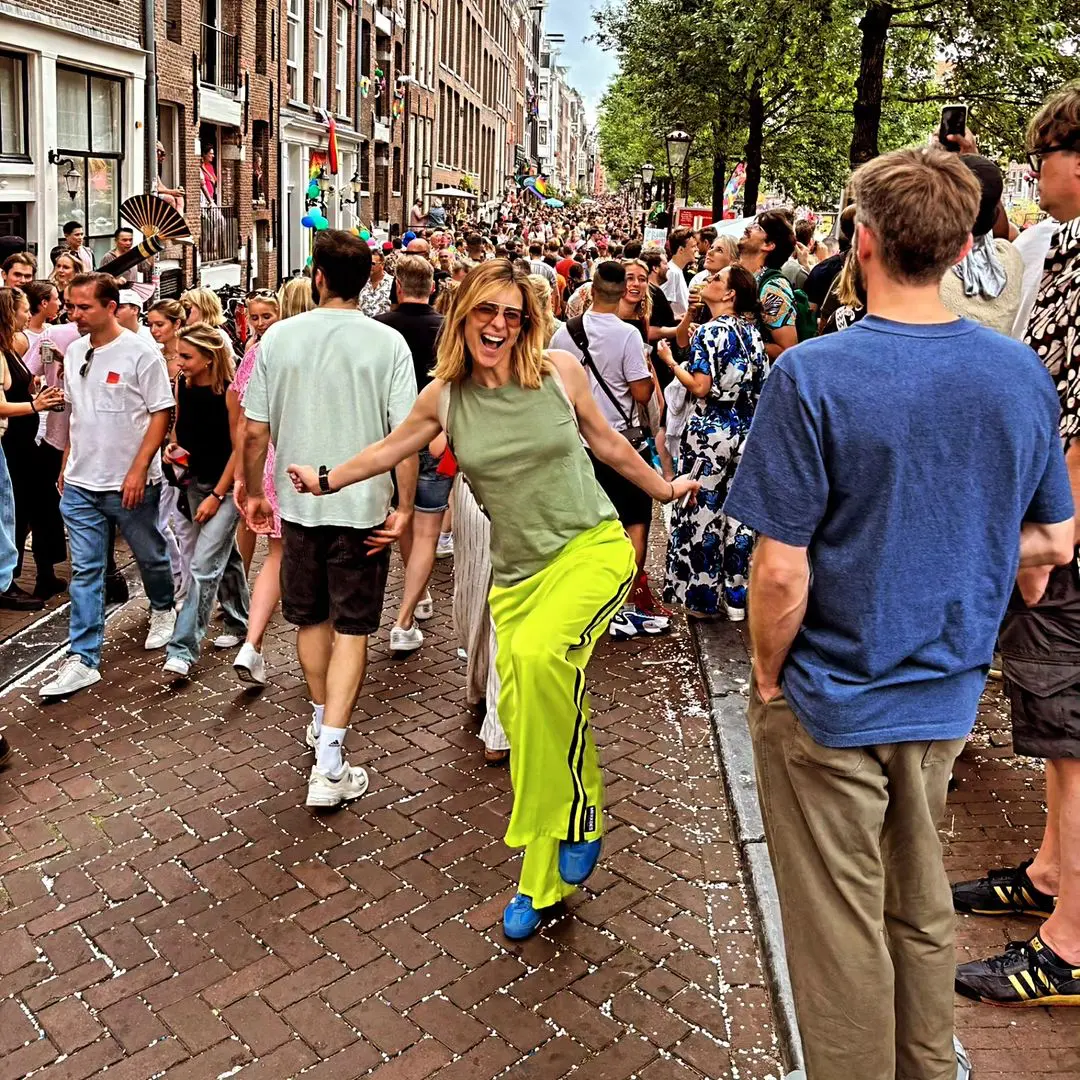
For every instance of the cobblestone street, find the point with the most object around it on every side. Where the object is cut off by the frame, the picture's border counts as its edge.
(169, 907)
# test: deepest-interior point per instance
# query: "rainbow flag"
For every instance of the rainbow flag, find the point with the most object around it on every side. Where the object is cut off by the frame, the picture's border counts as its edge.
(541, 185)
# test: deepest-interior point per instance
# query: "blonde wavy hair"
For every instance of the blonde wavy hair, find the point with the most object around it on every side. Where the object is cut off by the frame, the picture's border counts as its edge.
(527, 361)
(294, 297)
(545, 293)
(207, 339)
(205, 301)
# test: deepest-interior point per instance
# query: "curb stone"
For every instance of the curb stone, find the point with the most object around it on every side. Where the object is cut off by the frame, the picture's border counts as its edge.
(726, 669)
(36, 645)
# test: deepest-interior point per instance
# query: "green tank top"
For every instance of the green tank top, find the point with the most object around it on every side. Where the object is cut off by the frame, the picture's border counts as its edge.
(522, 454)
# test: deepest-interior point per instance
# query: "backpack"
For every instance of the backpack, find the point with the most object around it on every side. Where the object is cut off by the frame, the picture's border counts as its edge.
(805, 320)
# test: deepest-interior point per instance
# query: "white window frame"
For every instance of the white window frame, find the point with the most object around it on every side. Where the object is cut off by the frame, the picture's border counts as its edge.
(319, 16)
(341, 61)
(294, 61)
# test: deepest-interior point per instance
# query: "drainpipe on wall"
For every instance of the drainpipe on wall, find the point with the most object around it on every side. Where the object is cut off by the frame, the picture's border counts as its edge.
(150, 93)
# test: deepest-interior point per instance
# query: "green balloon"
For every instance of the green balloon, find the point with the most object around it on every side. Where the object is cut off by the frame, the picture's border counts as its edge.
(365, 235)
(313, 189)
(321, 223)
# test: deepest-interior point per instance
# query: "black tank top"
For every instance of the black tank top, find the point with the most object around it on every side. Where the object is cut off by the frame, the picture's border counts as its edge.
(202, 428)
(21, 429)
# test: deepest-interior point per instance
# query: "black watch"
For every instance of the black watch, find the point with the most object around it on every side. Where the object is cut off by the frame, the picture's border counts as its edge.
(324, 480)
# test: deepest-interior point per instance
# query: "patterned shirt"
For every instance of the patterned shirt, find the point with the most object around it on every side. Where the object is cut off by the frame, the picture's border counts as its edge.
(375, 300)
(1053, 330)
(777, 300)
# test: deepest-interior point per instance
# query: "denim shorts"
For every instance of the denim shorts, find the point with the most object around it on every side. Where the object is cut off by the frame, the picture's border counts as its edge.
(432, 489)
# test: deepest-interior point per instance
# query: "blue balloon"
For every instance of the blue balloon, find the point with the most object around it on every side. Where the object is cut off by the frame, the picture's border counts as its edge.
(410, 235)
(307, 221)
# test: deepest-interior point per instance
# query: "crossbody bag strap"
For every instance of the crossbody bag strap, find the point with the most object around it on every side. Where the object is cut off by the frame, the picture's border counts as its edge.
(576, 329)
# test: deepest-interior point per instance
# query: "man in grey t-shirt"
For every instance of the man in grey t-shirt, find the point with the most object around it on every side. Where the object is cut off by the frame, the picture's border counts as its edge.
(326, 384)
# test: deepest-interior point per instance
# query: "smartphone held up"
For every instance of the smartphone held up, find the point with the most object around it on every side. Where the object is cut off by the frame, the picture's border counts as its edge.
(954, 120)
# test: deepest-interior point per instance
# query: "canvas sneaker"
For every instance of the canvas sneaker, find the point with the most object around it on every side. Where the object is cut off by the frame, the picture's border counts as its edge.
(162, 624)
(405, 640)
(425, 609)
(73, 675)
(250, 666)
(177, 665)
(227, 641)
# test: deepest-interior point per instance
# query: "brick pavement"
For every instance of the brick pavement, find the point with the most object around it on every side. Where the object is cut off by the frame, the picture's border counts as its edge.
(168, 907)
(995, 818)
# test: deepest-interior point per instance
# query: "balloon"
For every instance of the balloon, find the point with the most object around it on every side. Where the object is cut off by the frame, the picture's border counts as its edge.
(321, 223)
(308, 263)
(372, 243)
(365, 235)
(355, 231)
(307, 221)
(409, 236)
(313, 189)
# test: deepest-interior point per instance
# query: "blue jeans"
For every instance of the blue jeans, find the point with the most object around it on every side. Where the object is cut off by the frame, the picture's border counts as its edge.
(9, 556)
(88, 515)
(216, 567)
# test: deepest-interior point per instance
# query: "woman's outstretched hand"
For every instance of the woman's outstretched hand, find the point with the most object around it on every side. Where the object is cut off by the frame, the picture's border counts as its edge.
(683, 485)
(305, 479)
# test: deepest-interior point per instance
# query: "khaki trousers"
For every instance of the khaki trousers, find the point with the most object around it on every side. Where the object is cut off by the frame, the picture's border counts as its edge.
(866, 906)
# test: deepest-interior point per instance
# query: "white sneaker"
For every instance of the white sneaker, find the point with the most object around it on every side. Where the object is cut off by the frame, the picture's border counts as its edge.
(250, 665)
(445, 547)
(227, 641)
(425, 609)
(324, 792)
(162, 624)
(405, 640)
(176, 665)
(73, 675)
(311, 736)
(735, 614)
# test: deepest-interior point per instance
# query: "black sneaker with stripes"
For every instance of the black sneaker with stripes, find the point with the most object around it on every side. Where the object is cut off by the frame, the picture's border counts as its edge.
(1028, 973)
(1002, 892)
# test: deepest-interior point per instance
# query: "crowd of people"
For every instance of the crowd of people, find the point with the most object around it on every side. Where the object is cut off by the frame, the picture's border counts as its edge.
(895, 408)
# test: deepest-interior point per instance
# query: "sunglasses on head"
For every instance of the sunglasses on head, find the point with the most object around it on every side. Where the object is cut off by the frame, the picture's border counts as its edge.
(513, 316)
(261, 294)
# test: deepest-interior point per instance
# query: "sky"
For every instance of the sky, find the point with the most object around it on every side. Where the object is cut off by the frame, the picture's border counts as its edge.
(590, 66)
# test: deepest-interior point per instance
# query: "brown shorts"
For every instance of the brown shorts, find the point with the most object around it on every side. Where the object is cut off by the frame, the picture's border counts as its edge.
(328, 575)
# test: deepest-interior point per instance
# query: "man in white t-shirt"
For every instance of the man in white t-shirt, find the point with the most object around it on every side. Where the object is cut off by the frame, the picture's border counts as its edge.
(327, 384)
(117, 390)
(682, 248)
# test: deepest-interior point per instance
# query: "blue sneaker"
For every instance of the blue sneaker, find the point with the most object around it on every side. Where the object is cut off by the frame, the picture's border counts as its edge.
(520, 919)
(577, 861)
(630, 623)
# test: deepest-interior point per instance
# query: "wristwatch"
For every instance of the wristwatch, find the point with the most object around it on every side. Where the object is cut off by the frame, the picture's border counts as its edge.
(324, 480)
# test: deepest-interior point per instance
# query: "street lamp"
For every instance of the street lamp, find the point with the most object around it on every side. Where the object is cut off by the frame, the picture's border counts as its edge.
(647, 173)
(677, 143)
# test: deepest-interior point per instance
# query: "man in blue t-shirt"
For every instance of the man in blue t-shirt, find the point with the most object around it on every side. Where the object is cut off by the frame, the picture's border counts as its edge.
(912, 462)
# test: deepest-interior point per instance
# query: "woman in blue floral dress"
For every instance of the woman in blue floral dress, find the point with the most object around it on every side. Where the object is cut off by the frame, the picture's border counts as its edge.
(709, 554)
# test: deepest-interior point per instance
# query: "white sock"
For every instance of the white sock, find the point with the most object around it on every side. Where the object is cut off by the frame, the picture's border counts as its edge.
(329, 759)
(317, 715)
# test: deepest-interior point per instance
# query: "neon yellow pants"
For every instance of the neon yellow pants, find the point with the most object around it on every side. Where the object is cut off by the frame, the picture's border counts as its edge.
(546, 627)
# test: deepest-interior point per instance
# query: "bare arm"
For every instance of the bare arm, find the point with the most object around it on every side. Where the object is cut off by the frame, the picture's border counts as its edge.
(606, 443)
(699, 384)
(779, 589)
(135, 482)
(783, 337)
(1046, 545)
(414, 433)
(1033, 577)
(256, 445)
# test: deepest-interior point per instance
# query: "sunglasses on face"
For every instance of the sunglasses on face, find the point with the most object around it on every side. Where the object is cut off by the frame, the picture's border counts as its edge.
(512, 316)
(87, 362)
(1035, 158)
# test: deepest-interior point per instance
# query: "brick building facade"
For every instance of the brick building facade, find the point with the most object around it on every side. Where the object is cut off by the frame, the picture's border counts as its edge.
(72, 109)
(218, 82)
(341, 58)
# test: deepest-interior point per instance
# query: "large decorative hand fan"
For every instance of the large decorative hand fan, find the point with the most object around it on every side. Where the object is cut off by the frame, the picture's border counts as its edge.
(157, 221)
